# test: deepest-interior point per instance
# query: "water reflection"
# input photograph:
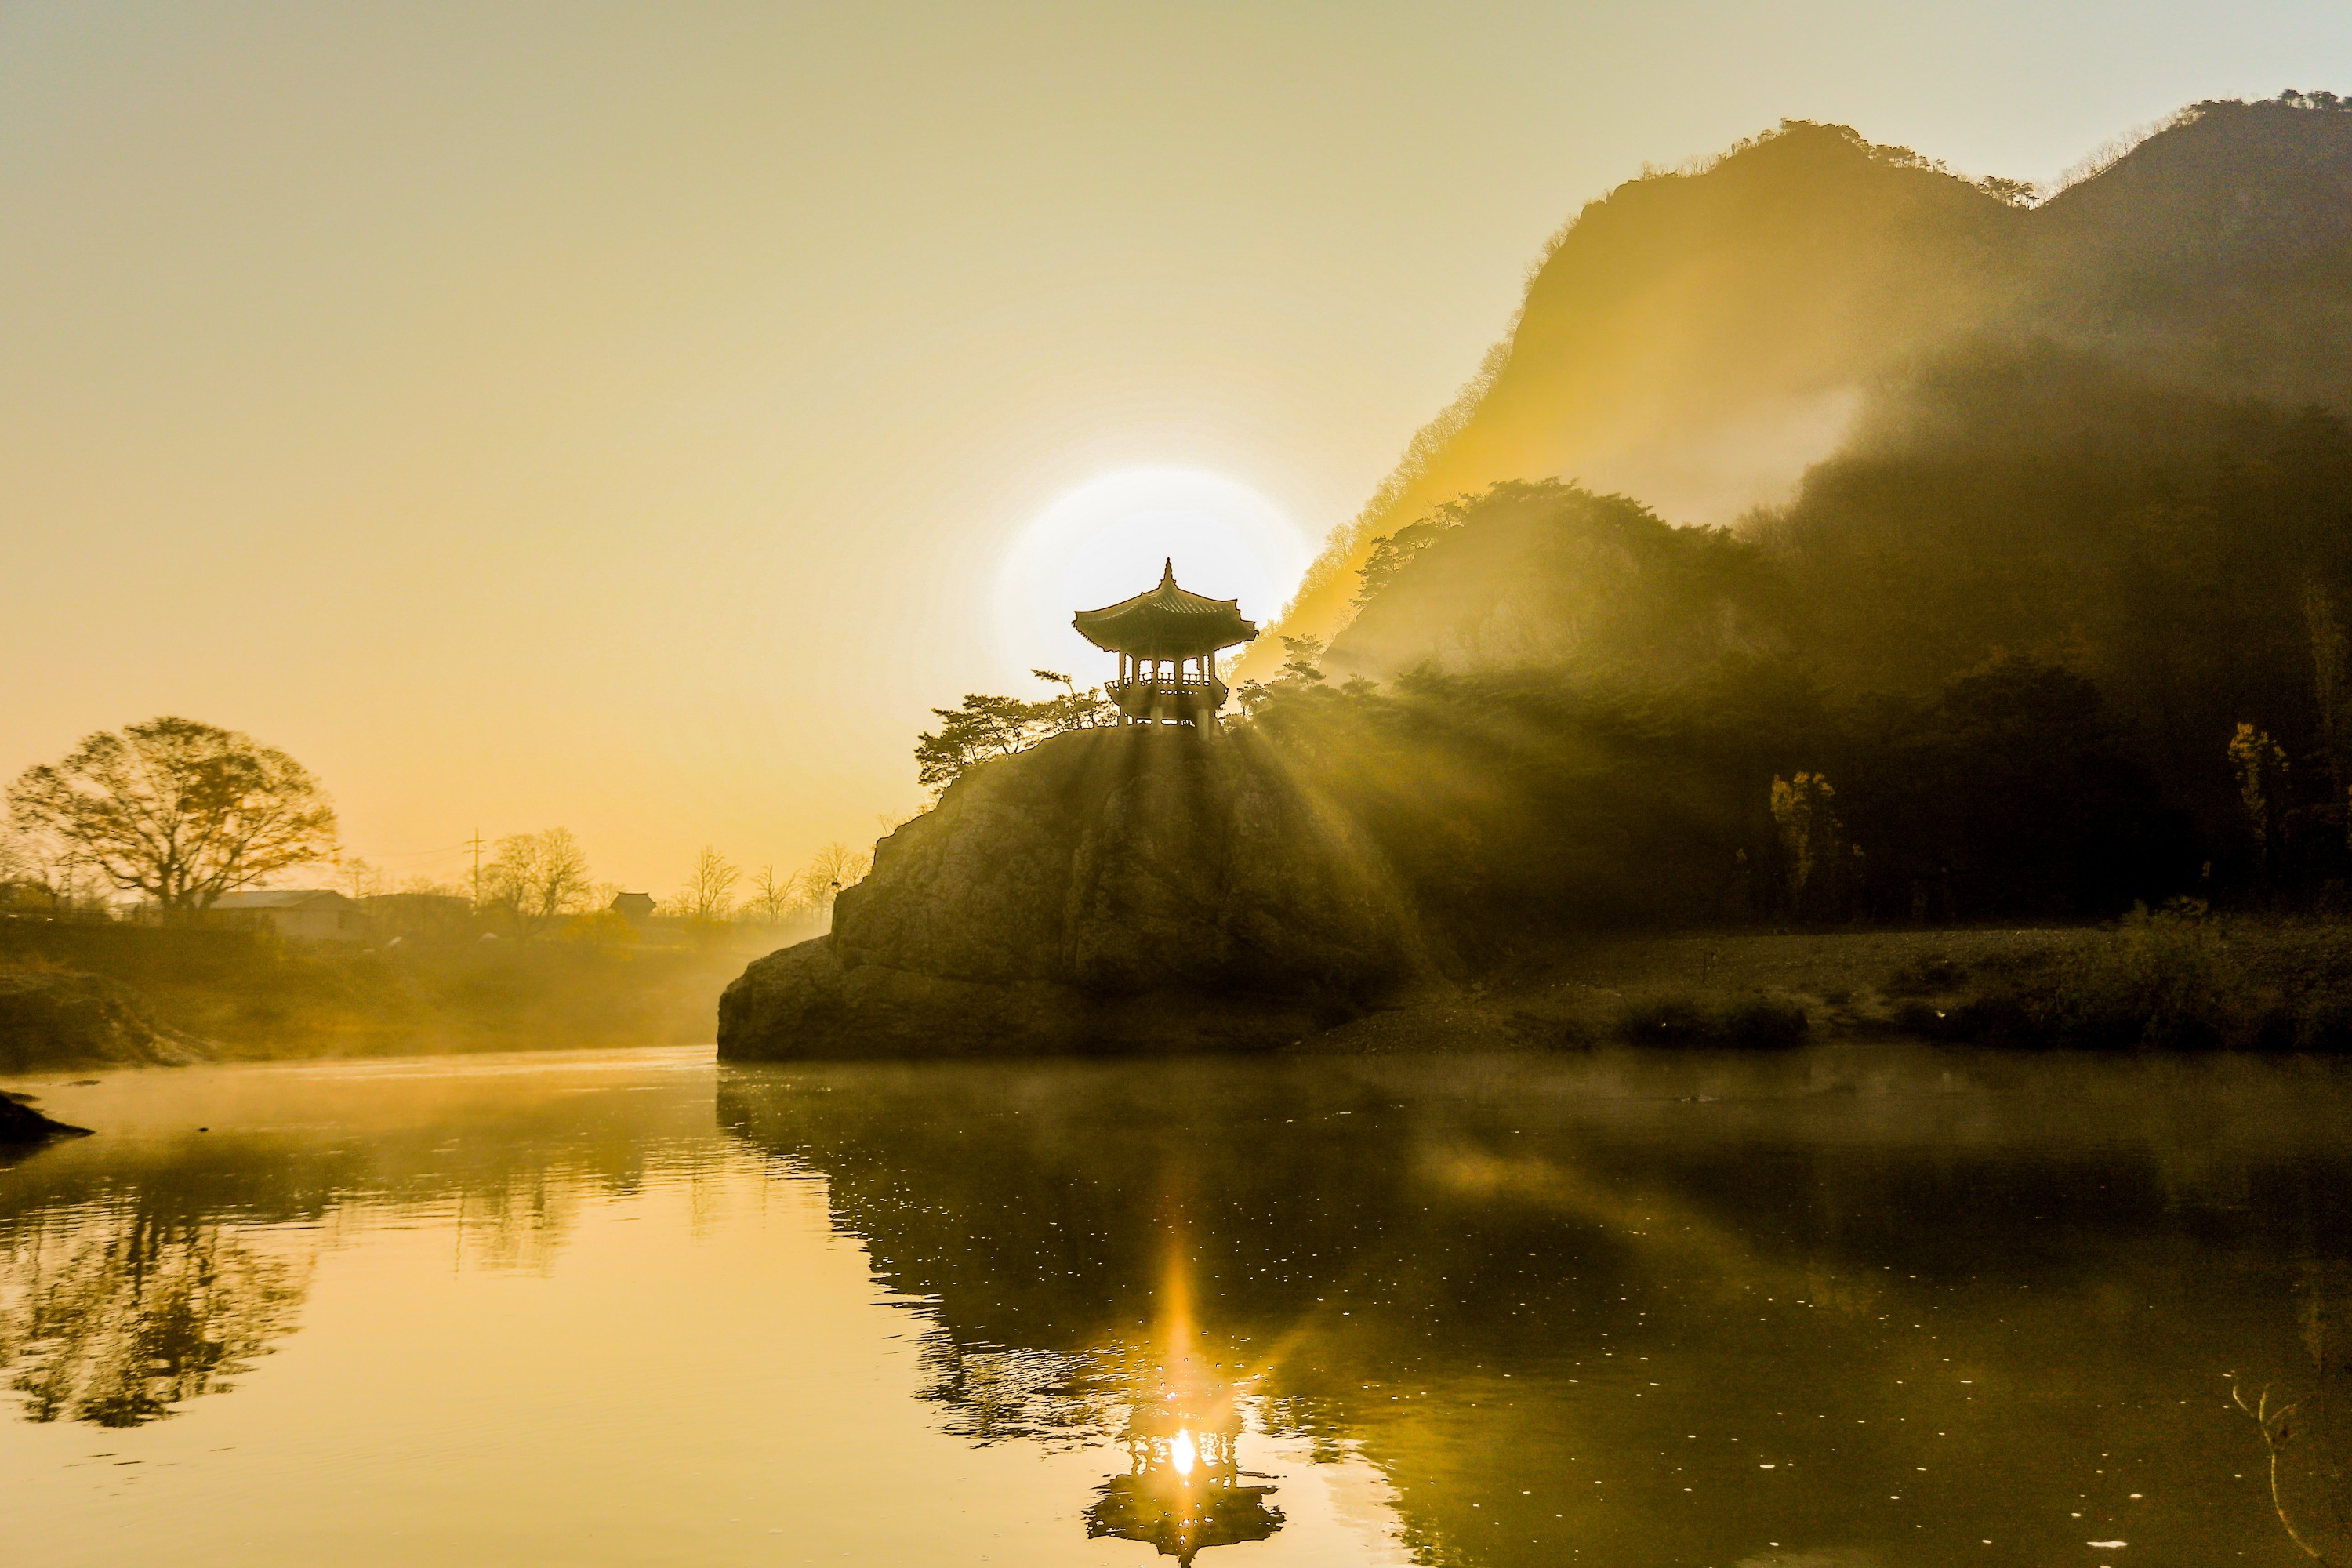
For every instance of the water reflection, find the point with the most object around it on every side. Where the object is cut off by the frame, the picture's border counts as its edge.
(2308, 1430)
(155, 1264)
(114, 1319)
(1683, 1309)
(1839, 1306)
(1184, 1489)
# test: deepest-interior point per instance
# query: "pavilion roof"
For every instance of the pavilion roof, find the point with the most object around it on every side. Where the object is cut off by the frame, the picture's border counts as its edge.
(1166, 622)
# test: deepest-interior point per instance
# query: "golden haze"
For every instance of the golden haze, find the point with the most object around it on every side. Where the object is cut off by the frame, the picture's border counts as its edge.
(612, 416)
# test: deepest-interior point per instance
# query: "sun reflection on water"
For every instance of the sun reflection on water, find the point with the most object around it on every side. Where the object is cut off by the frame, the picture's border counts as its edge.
(1185, 1489)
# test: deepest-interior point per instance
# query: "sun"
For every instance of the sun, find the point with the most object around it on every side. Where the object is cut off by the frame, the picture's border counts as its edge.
(1107, 540)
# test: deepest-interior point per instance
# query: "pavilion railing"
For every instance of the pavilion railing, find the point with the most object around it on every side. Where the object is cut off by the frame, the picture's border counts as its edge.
(1187, 696)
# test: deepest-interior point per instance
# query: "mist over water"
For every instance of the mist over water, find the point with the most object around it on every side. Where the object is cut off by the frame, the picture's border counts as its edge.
(1865, 1304)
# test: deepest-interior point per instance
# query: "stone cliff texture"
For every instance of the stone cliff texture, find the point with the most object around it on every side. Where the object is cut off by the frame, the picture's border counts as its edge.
(1111, 890)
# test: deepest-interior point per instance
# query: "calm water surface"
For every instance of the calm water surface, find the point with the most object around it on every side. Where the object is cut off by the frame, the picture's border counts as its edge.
(1860, 1305)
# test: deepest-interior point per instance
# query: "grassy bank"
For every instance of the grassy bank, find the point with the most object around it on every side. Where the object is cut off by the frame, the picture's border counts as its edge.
(2165, 982)
(260, 996)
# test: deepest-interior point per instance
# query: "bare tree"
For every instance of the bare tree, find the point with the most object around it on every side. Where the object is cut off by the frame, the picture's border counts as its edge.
(364, 878)
(178, 810)
(834, 866)
(772, 896)
(709, 894)
(42, 874)
(537, 879)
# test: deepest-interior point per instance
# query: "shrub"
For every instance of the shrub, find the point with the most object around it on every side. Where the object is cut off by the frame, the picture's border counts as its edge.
(2163, 981)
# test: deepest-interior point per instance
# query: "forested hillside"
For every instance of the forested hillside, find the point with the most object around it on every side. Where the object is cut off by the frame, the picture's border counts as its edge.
(1988, 677)
(2052, 615)
(1701, 340)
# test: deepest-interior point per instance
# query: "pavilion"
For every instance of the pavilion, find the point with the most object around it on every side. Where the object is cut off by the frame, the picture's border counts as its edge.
(1167, 641)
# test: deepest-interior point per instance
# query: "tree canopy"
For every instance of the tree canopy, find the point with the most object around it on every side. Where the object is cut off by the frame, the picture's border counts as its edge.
(178, 810)
(987, 726)
(537, 879)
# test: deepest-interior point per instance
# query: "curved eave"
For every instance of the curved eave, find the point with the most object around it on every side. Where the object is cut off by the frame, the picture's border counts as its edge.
(1152, 632)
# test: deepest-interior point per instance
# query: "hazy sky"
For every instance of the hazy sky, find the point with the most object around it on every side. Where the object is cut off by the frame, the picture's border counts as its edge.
(620, 417)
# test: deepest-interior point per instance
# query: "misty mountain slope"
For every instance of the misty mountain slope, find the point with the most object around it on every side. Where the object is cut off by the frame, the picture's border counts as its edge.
(2217, 255)
(2174, 560)
(2191, 553)
(1699, 340)
(1549, 575)
(1695, 340)
(1692, 338)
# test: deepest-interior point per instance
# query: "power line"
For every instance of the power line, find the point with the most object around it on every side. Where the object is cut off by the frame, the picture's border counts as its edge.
(413, 854)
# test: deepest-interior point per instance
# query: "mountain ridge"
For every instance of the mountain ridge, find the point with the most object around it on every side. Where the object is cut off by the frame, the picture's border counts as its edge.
(1700, 339)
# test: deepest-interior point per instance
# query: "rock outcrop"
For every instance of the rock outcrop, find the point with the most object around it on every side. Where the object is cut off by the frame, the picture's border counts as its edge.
(21, 1126)
(1124, 889)
(62, 1018)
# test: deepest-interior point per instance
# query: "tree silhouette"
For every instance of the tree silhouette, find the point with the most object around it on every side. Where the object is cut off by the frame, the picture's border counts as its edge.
(181, 811)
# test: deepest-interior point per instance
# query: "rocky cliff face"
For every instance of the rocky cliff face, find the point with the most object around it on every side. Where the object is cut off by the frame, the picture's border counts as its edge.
(1111, 891)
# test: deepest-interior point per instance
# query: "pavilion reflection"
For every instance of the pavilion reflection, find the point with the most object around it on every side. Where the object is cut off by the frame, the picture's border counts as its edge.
(1184, 1491)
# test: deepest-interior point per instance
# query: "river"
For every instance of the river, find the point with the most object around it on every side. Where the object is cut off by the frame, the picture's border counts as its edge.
(1849, 1307)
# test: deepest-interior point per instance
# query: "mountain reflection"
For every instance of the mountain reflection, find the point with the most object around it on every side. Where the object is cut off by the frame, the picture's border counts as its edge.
(1665, 1308)
(1832, 1305)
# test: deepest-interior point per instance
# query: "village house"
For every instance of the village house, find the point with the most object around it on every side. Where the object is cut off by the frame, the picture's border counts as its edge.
(315, 915)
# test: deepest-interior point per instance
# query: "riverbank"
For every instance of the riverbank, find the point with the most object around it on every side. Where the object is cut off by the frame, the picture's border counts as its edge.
(248, 994)
(2164, 981)
(2168, 981)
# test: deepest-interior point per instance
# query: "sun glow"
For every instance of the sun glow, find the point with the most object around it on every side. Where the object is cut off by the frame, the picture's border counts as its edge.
(1107, 540)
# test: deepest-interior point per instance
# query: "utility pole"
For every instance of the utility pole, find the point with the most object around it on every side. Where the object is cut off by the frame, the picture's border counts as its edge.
(476, 847)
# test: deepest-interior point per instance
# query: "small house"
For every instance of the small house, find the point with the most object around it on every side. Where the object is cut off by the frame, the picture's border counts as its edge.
(314, 914)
